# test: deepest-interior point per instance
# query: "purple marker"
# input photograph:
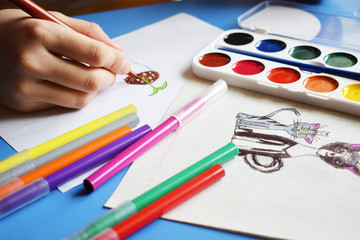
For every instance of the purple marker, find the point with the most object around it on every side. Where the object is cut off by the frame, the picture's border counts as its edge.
(43, 186)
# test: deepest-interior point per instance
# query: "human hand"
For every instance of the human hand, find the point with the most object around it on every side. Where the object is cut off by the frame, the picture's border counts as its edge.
(34, 75)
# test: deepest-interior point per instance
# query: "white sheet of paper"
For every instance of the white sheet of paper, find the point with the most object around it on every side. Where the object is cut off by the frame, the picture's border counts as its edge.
(171, 54)
(166, 47)
(306, 199)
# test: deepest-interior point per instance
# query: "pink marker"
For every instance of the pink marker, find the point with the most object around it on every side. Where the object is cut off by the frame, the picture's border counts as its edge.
(181, 117)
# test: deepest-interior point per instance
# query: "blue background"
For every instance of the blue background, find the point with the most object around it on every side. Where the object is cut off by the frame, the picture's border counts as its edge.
(58, 215)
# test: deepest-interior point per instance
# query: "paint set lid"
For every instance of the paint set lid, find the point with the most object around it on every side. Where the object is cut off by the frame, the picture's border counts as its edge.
(304, 22)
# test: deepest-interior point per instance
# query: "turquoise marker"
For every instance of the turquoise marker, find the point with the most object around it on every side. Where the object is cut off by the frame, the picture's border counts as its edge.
(129, 208)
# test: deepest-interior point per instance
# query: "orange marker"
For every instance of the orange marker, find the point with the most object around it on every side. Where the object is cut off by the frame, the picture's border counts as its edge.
(63, 161)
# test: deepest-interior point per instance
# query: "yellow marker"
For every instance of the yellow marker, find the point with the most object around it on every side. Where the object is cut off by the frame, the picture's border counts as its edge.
(58, 141)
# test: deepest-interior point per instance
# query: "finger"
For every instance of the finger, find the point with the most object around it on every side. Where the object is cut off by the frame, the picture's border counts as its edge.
(28, 106)
(49, 94)
(89, 29)
(84, 49)
(17, 97)
(31, 106)
(32, 95)
(74, 75)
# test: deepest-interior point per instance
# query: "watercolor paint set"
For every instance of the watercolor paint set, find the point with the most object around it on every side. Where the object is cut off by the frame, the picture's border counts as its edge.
(286, 51)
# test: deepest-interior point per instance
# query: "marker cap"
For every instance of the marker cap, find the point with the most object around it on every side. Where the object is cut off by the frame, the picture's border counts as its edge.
(206, 98)
(16, 172)
(23, 197)
(11, 187)
(15, 159)
(109, 220)
(108, 234)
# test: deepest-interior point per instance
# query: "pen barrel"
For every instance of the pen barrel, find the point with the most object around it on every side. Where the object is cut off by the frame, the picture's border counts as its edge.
(119, 162)
(36, 11)
(74, 156)
(115, 165)
(96, 158)
(23, 197)
(207, 97)
(168, 202)
(60, 163)
(221, 156)
(81, 131)
(127, 209)
(58, 141)
(130, 120)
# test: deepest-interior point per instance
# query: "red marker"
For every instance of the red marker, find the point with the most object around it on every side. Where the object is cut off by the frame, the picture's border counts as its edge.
(163, 205)
(36, 11)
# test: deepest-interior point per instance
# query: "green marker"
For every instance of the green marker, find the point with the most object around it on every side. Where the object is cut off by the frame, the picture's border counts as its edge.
(129, 208)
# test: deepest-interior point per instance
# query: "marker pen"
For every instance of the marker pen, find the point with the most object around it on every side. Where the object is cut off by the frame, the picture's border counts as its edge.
(43, 186)
(181, 117)
(132, 120)
(58, 141)
(163, 205)
(129, 208)
(63, 161)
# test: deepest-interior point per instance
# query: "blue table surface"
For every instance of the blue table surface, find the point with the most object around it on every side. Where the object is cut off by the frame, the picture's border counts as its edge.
(58, 215)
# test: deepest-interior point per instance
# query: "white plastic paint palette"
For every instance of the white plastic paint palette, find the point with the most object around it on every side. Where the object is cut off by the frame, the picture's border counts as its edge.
(294, 69)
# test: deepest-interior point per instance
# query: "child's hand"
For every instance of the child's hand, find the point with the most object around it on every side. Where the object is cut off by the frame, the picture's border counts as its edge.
(33, 73)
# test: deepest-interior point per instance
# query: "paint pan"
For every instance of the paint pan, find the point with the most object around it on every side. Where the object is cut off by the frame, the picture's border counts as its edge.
(283, 75)
(320, 84)
(304, 52)
(284, 63)
(248, 67)
(214, 59)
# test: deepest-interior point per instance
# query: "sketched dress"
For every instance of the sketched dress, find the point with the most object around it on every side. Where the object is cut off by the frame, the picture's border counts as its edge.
(264, 151)
(253, 145)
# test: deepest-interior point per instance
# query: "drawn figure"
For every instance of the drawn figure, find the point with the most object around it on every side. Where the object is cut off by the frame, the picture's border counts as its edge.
(265, 152)
(341, 155)
(306, 131)
(145, 76)
(150, 77)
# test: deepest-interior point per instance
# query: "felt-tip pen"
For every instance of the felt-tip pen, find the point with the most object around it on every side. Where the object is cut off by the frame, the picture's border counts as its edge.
(63, 161)
(132, 120)
(43, 186)
(110, 169)
(128, 208)
(163, 205)
(67, 137)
